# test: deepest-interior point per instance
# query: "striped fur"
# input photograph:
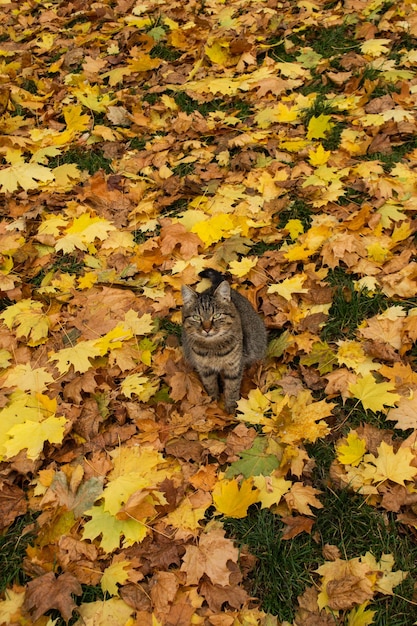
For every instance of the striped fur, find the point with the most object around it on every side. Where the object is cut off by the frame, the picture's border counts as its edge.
(222, 335)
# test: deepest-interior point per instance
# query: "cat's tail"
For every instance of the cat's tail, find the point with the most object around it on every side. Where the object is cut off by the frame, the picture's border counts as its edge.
(213, 275)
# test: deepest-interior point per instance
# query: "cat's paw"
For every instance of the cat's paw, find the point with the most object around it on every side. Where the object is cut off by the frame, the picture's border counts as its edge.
(230, 407)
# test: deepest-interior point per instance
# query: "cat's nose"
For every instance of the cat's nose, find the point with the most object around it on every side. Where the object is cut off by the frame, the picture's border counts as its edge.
(206, 324)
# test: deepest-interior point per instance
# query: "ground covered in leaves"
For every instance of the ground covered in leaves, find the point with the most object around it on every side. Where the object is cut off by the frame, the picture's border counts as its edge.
(142, 141)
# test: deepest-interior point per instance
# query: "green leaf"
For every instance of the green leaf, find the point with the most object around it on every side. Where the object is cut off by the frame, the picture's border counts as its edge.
(254, 461)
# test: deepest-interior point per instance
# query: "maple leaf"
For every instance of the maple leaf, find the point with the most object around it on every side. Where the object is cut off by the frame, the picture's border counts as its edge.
(386, 579)
(233, 498)
(25, 175)
(173, 235)
(114, 574)
(271, 489)
(301, 497)
(351, 452)
(83, 231)
(289, 286)
(390, 465)
(344, 583)
(254, 461)
(112, 530)
(139, 385)
(243, 267)
(375, 47)
(360, 616)
(75, 495)
(187, 516)
(319, 126)
(52, 592)
(29, 320)
(11, 606)
(77, 356)
(210, 557)
(32, 436)
(28, 379)
(405, 414)
(374, 396)
(106, 612)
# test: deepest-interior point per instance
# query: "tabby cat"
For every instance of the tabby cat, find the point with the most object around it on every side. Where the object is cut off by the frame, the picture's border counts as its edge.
(222, 335)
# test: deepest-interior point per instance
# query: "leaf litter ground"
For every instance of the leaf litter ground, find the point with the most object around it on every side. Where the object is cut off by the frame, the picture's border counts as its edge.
(141, 143)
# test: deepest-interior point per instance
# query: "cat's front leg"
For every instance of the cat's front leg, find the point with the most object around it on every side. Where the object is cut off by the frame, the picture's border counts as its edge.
(210, 381)
(231, 383)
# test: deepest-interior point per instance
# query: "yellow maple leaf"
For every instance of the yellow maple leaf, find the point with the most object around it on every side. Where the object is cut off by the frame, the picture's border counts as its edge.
(78, 356)
(271, 489)
(243, 267)
(319, 156)
(25, 175)
(360, 616)
(88, 280)
(375, 47)
(11, 605)
(319, 126)
(294, 227)
(214, 228)
(390, 465)
(32, 436)
(233, 499)
(111, 529)
(140, 386)
(28, 319)
(187, 517)
(105, 612)
(119, 240)
(354, 585)
(218, 52)
(277, 114)
(143, 63)
(76, 121)
(374, 396)
(114, 574)
(298, 418)
(254, 407)
(5, 358)
(65, 177)
(142, 325)
(83, 231)
(114, 338)
(289, 286)
(351, 452)
(386, 579)
(28, 379)
(92, 97)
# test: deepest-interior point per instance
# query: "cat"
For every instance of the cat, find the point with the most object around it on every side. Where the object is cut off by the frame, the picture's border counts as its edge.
(221, 336)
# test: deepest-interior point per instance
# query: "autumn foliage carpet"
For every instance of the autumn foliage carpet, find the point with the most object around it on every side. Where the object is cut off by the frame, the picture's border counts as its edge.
(142, 141)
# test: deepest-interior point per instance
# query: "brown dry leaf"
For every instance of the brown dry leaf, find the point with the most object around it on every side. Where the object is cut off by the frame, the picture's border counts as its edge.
(210, 557)
(173, 235)
(163, 591)
(13, 503)
(301, 497)
(405, 413)
(294, 525)
(345, 583)
(331, 552)
(52, 592)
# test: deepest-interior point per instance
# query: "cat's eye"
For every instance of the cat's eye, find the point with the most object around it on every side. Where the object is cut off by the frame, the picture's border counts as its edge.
(217, 316)
(196, 318)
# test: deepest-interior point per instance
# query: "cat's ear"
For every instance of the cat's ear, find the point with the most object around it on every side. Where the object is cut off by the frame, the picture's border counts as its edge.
(223, 291)
(188, 295)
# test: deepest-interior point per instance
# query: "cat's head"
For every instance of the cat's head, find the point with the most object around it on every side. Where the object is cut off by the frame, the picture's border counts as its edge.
(209, 314)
